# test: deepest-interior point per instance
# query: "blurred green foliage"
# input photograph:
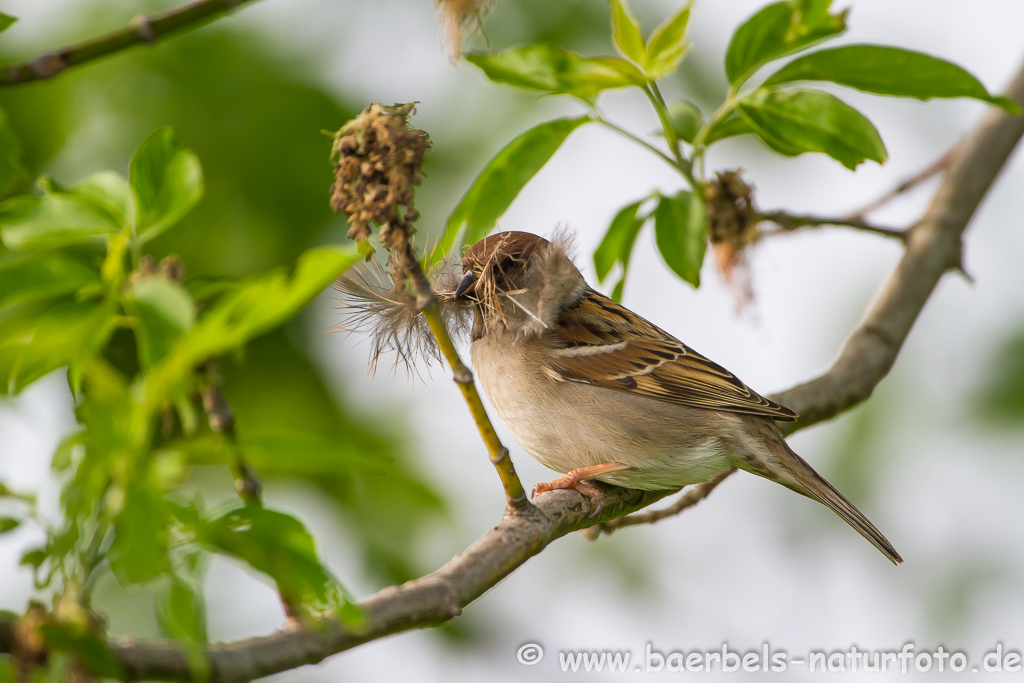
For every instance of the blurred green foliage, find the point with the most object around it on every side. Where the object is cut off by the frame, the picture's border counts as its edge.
(999, 399)
(94, 263)
(76, 284)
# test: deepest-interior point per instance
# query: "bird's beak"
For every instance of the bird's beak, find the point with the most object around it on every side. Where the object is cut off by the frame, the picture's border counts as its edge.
(464, 286)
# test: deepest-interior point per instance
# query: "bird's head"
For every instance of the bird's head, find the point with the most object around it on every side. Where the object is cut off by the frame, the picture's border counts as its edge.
(520, 281)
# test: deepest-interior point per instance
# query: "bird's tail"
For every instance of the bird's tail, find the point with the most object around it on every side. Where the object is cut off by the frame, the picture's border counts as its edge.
(792, 471)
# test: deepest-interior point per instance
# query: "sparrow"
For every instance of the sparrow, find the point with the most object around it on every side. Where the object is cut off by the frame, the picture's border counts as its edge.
(591, 389)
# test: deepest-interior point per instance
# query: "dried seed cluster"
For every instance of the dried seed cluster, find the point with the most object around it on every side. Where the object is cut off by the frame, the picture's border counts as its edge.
(170, 268)
(732, 227)
(729, 202)
(379, 156)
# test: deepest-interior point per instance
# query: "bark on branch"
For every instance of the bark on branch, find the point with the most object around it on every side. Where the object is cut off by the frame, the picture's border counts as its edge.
(142, 30)
(933, 247)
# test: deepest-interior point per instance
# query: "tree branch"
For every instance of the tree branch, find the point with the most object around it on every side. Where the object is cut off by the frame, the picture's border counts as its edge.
(515, 494)
(427, 601)
(693, 495)
(933, 169)
(222, 421)
(933, 247)
(788, 222)
(142, 29)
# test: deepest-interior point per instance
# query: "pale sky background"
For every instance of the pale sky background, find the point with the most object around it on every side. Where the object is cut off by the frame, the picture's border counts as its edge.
(754, 563)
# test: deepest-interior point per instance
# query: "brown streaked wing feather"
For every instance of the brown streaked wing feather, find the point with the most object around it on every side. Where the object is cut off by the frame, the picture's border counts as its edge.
(604, 344)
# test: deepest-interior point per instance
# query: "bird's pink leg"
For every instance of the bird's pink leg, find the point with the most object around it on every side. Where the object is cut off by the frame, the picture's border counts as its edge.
(576, 480)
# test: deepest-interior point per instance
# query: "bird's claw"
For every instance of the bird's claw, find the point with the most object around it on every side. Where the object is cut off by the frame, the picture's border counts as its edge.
(581, 486)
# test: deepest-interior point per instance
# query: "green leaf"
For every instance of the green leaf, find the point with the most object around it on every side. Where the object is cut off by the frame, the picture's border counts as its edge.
(63, 455)
(106, 190)
(617, 245)
(888, 71)
(13, 175)
(686, 119)
(617, 290)
(31, 277)
(6, 492)
(76, 637)
(90, 211)
(999, 397)
(163, 313)
(667, 45)
(167, 180)
(284, 453)
(729, 127)
(5, 21)
(501, 180)
(550, 69)
(680, 230)
(629, 40)
(798, 121)
(778, 30)
(37, 339)
(279, 546)
(255, 307)
(140, 549)
(34, 558)
(181, 611)
(8, 524)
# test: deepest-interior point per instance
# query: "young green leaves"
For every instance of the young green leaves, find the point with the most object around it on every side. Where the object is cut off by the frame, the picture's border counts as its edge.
(165, 182)
(501, 181)
(77, 289)
(662, 52)
(40, 337)
(279, 546)
(88, 212)
(887, 71)
(793, 122)
(258, 305)
(778, 30)
(552, 70)
(617, 245)
(680, 233)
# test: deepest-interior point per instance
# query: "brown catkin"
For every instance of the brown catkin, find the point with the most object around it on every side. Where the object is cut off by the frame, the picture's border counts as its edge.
(378, 161)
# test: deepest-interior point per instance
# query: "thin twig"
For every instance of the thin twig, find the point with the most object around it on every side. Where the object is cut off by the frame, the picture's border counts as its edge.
(515, 494)
(640, 141)
(142, 30)
(222, 421)
(691, 497)
(788, 222)
(936, 167)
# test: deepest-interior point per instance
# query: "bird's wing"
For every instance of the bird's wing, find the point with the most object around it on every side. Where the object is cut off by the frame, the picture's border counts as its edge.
(604, 344)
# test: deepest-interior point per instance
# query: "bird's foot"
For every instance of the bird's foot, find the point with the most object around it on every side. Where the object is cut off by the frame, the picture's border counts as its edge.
(576, 480)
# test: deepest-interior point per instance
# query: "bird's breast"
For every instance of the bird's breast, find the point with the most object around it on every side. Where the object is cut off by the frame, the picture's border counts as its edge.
(569, 425)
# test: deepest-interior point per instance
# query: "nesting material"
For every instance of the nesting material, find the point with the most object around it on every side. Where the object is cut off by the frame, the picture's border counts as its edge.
(389, 317)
